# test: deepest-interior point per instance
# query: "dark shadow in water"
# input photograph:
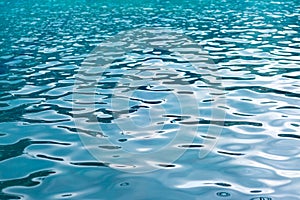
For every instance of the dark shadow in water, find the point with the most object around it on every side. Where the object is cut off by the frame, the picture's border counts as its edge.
(90, 164)
(17, 149)
(26, 182)
(289, 136)
(261, 89)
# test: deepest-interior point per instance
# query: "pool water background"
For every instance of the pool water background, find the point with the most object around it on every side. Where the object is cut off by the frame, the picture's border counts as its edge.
(255, 46)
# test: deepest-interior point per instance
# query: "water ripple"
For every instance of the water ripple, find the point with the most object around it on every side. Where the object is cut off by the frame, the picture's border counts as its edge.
(255, 48)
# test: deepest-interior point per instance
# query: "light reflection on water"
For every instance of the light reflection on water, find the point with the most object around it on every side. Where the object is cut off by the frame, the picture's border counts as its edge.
(255, 46)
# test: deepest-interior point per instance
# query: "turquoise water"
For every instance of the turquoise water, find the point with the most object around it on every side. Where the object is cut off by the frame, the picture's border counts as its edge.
(254, 49)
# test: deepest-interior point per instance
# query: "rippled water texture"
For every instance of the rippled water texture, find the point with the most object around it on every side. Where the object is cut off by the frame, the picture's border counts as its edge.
(254, 47)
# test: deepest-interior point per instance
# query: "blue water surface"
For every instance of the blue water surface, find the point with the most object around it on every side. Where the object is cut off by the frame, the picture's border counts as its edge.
(255, 46)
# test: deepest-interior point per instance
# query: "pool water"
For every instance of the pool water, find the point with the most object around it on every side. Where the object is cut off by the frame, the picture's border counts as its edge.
(49, 135)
